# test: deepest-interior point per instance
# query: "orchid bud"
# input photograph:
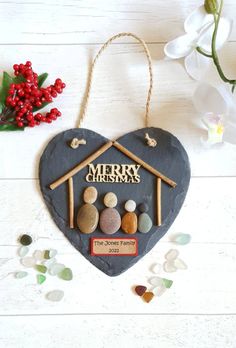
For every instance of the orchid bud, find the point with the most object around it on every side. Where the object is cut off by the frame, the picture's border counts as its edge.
(211, 6)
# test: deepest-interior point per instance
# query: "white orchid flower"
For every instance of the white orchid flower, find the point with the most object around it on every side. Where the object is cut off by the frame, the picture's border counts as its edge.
(217, 106)
(199, 27)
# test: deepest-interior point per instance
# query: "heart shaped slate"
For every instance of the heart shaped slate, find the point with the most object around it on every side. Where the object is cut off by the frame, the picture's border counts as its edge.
(169, 158)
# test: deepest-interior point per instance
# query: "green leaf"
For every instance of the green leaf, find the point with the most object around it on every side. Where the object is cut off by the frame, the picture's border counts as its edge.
(10, 127)
(42, 78)
(18, 79)
(6, 82)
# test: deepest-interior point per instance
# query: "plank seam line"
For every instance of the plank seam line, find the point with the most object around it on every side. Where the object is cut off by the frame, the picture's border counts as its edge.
(120, 314)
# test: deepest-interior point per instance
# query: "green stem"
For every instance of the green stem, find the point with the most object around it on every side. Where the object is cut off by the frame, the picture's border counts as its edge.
(200, 50)
(214, 54)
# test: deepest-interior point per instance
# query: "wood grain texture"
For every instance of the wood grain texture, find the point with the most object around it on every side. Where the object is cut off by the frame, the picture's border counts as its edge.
(62, 37)
(116, 331)
(88, 21)
(117, 104)
(210, 258)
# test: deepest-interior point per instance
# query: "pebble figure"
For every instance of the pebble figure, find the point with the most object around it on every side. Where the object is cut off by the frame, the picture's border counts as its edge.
(129, 223)
(110, 219)
(88, 216)
(144, 220)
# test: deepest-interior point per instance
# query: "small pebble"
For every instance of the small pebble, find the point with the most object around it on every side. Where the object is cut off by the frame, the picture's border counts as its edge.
(20, 275)
(52, 253)
(110, 200)
(49, 262)
(156, 268)
(144, 223)
(130, 206)
(169, 266)
(28, 262)
(90, 195)
(172, 254)
(140, 290)
(110, 221)
(66, 274)
(25, 239)
(87, 218)
(23, 251)
(167, 283)
(56, 268)
(40, 278)
(55, 295)
(143, 208)
(38, 255)
(180, 264)
(155, 281)
(148, 296)
(41, 268)
(159, 290)
(182, 238)
(46, 254)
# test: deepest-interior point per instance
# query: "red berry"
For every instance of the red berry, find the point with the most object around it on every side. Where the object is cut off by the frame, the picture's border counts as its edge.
(20, 124)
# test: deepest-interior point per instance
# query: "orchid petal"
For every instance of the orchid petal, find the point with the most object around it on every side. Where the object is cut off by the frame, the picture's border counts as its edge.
(209, 99)
(197, 20)
(196, 65)
(215, 125)
(224, 30)
(181, 46)
(230, 133)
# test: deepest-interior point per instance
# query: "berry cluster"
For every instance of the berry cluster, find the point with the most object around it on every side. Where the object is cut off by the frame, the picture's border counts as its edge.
(26, 97)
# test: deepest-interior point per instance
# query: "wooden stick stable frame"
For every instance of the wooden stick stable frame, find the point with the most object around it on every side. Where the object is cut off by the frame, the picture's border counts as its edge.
(99, 152)
(71, 202)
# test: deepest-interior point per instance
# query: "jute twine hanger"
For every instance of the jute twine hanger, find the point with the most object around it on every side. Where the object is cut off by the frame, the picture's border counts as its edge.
(150, 141)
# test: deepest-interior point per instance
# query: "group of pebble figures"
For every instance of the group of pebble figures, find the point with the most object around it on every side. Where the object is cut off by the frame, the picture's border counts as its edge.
(110, 220)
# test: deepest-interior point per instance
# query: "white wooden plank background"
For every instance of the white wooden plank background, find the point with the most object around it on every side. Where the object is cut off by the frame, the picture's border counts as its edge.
(61, 37)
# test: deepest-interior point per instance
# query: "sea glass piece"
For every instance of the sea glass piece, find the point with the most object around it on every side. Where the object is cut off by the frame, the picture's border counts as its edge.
(25, 239)
(21, 274)
(156, 268)
(182, 238)
(155, 281)
(159, 290)
(55, 295)
(140, 290)
(28, 261)
(172, 254)
(41, 278)
(66, 274)
(56, 268)
(180, 264)
(169, 266)
(41, 268)
(38, 255)
(23, 251)
(148, 296)
(167, 283)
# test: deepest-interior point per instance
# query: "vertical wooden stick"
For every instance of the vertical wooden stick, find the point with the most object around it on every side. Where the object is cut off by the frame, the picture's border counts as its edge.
(158, 202)
(71, 202)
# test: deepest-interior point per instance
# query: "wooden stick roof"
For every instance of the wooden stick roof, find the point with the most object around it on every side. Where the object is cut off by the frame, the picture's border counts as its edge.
(99, 152)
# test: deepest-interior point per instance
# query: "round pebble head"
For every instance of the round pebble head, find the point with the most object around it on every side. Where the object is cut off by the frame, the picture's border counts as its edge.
(143, 207)
(110, 200)
(130, 205)
(25, 239)
(90, 195)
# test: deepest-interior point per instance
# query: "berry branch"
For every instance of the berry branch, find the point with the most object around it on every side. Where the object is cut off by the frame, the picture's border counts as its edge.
(22, 96)
(212, 7)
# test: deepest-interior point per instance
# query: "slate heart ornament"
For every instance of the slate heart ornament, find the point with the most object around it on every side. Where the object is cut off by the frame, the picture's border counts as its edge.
(169, 157)
(163, 180)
